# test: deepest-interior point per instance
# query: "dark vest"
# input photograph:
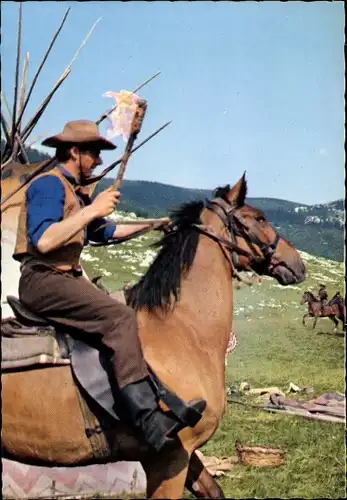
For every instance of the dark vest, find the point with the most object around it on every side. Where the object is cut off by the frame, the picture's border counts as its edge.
(68, 255)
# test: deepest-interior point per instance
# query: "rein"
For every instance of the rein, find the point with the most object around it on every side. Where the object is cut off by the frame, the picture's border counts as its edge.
(222, 243)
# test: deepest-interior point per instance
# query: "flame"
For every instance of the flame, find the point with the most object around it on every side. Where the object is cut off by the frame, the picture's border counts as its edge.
(121, 118)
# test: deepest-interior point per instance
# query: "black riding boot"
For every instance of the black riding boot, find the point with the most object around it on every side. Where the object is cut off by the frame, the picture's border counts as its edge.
(157, 427)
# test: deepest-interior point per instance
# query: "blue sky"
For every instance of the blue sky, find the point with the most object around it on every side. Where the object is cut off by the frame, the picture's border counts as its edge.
(255, 86)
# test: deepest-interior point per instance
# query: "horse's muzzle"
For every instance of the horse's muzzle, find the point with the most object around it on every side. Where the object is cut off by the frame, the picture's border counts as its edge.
(288, 275)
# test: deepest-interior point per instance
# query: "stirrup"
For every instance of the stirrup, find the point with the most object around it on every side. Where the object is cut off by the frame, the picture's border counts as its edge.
(189, 413)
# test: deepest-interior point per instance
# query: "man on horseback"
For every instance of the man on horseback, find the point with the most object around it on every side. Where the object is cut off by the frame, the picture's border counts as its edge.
(55, 222)
(323, 297)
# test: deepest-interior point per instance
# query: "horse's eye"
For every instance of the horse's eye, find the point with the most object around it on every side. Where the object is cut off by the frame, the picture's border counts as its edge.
(261, 219)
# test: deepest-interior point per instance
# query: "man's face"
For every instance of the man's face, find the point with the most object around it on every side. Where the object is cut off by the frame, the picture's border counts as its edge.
(88, 159)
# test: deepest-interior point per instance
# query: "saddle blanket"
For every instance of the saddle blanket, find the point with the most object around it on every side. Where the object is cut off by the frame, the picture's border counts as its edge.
(34, 349)
(24, 347)
(26, 351)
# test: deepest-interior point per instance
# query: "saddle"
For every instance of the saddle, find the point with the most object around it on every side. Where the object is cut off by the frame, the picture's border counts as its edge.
(90, 364)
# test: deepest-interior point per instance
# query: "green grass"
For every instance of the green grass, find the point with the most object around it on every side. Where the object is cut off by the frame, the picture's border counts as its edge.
(274, 349)
(315, 451)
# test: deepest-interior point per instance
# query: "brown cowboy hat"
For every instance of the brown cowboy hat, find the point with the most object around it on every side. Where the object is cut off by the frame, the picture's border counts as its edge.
(79, 132)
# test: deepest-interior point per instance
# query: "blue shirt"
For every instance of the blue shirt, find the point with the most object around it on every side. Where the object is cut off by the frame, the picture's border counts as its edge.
(45, 205)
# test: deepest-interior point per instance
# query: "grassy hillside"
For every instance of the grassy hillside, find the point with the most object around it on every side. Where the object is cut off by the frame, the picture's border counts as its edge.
(273, 349)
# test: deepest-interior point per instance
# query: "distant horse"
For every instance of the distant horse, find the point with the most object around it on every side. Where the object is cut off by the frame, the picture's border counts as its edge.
(341, 303)
(184, 305)
(333, 310)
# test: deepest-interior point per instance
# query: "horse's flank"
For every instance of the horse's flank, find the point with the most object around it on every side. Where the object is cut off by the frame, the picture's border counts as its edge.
(67, 441)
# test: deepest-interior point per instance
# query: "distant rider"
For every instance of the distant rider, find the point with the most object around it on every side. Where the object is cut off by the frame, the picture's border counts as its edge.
(323, 297)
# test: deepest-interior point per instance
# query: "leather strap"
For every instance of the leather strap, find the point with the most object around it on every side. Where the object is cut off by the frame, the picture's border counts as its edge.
(94, 431)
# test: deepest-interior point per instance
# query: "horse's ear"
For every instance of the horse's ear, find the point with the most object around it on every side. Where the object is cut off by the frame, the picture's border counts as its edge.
(237, 194)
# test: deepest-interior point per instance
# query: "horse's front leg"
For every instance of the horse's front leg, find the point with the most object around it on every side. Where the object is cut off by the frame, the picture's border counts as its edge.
(304, 318)
(314, 322)
(336, 323)
(200, 482)
(166, 472)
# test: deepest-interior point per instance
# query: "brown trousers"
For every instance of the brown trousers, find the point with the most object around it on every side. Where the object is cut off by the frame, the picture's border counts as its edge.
(76, 303)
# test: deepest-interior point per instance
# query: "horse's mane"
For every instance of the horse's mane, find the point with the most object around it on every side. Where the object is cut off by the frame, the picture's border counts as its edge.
(177, 252)
(337, 299)
(222, 192)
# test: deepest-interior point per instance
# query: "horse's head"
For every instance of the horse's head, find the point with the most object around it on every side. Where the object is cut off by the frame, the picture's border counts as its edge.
(304, 298)
(256, 243)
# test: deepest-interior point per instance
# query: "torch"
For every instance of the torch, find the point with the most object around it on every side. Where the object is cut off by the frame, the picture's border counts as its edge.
(136, 124)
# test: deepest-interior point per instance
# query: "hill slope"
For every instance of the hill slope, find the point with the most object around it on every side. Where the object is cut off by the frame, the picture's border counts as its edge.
(316, 229)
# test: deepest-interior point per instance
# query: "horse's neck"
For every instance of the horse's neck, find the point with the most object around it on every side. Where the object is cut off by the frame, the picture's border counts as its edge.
(207, 291)
(195, 336)
(336, 299)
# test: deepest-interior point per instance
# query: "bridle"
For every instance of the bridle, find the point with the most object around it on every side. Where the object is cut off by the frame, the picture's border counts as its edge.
(236, 226)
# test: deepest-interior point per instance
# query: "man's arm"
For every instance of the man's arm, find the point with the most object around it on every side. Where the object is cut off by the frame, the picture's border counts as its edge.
(58, 233)
(45, 205)
(128, 229)
(101, 234)
(123, 230)
(46, 228)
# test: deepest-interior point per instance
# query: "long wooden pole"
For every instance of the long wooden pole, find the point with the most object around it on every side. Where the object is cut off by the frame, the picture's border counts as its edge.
(23, 88)
(7, 153)
(32, 123)
(6, 128)
(38, 113)
(32, 86)
(15, 98)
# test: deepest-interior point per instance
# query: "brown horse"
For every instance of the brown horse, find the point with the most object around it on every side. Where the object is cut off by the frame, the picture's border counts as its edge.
(185, 310)
(333, 310)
